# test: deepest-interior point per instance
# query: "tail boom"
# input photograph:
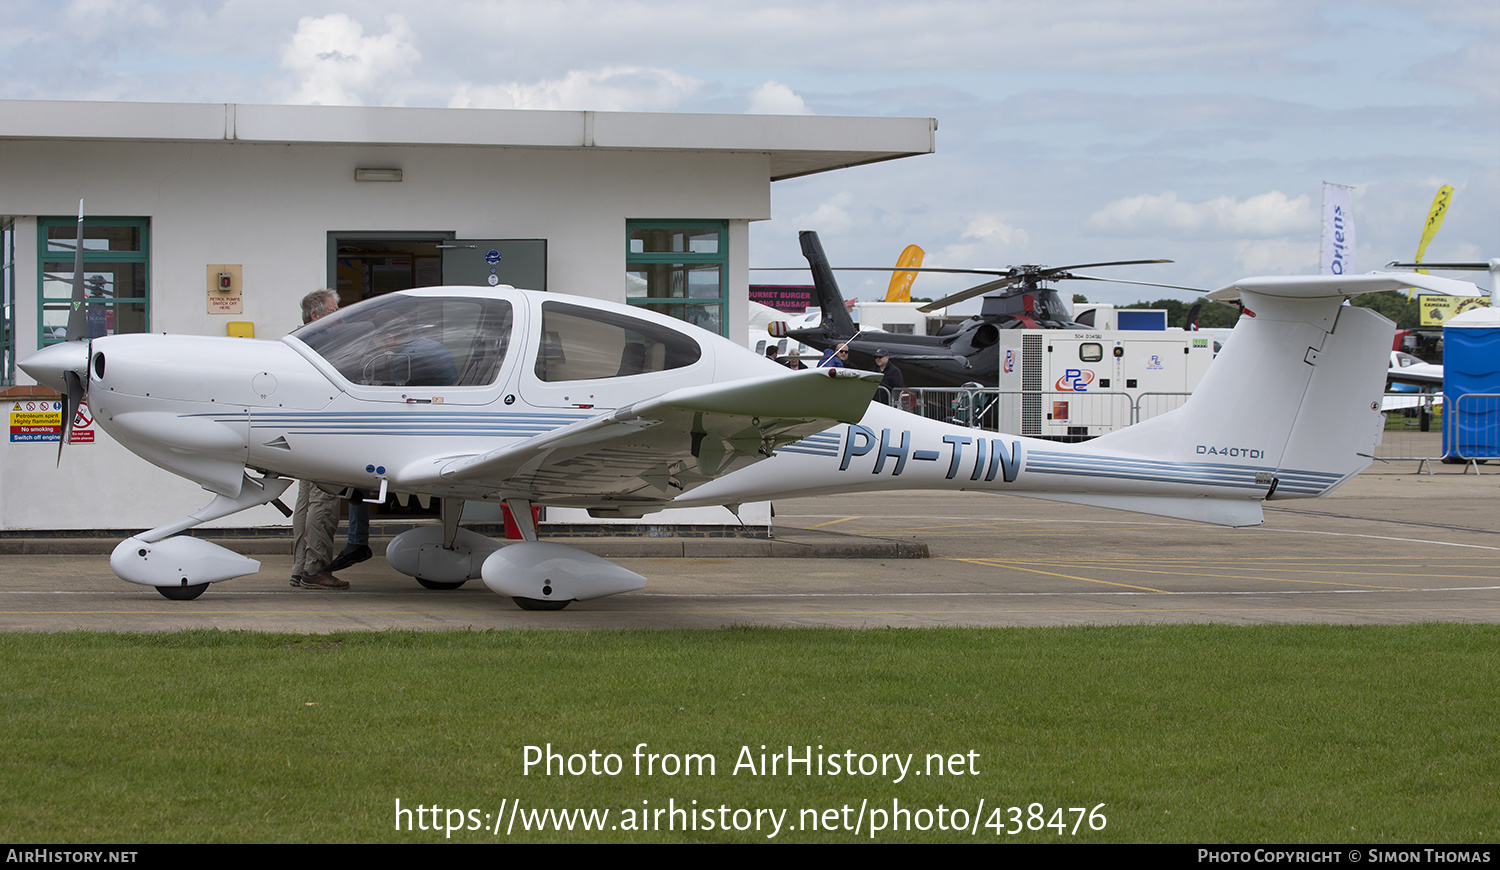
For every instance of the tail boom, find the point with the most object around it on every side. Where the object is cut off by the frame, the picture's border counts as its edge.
(1291, 408)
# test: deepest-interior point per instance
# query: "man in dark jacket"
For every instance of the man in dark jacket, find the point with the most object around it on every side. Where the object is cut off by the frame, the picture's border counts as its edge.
(891, 382)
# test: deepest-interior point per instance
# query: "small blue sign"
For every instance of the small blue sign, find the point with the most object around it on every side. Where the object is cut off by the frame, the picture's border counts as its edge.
(492, 256)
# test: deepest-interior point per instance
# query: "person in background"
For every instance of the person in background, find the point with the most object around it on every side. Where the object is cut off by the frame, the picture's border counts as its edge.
(892, 382)
(317, 512)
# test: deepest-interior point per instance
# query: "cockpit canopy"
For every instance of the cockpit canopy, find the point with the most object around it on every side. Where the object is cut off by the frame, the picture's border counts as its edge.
(461, 341)
(1043, 305)
(426, 341)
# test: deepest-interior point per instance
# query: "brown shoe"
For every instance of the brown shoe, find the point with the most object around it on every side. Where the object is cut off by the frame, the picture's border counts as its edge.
(322, 580)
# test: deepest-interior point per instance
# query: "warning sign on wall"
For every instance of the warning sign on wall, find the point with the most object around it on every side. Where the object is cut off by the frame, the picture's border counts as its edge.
(41, 420)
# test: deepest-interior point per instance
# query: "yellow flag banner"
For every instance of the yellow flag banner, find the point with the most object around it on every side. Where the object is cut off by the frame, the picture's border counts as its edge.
(900, 288)
(1434, 220)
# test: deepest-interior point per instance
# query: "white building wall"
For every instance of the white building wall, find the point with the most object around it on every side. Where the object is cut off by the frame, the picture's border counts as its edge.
(270, 207)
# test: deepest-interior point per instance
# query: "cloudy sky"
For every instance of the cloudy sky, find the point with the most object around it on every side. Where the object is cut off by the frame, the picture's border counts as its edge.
(1197, 130)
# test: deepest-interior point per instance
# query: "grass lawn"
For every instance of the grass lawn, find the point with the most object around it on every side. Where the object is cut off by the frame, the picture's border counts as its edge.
(1182, 733)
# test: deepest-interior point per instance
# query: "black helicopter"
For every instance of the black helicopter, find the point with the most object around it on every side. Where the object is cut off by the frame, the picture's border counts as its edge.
(968, 353)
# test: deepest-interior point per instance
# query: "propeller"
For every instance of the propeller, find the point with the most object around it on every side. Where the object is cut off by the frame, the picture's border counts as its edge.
(78, 330)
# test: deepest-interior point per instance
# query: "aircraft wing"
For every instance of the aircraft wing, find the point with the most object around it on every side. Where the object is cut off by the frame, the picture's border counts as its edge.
(1417, 376)
(635, 459)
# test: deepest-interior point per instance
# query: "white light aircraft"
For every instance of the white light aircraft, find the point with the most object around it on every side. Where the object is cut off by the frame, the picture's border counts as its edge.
(535, 398)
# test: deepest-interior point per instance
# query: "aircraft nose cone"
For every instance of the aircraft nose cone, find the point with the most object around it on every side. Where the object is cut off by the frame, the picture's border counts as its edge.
(50, 364)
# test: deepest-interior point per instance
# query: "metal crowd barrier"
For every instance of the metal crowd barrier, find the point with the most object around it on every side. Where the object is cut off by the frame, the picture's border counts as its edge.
(1050, 413)
(1413, 428)
(1471, 432)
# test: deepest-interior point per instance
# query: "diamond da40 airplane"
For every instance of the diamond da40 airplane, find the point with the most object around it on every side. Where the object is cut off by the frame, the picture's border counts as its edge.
(535, 398)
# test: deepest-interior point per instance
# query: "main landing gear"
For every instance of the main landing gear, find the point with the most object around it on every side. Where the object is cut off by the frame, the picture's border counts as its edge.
(536, 576)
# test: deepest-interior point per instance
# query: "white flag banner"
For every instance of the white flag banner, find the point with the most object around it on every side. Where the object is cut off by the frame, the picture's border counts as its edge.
(1338, 229)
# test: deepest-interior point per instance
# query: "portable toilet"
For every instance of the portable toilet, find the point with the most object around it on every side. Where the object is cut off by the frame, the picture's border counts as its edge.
(1471, 385)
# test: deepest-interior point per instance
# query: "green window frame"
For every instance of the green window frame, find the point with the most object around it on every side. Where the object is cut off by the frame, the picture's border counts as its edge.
(117, 275)
(679, 268)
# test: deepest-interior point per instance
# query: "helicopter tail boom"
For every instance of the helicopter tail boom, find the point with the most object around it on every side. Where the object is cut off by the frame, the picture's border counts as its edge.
(836, 319)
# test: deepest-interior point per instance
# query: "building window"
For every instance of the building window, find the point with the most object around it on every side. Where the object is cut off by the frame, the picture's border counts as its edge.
(680, 269)
(7, 301)
(116, 275)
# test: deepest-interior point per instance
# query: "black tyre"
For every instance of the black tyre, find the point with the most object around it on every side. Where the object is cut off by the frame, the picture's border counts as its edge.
(540, 604)
(182, 593)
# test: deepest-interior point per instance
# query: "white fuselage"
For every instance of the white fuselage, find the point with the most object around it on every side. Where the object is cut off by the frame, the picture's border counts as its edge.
(208, 408)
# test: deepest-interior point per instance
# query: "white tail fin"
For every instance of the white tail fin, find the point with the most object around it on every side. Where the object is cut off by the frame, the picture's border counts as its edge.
(1293, 401)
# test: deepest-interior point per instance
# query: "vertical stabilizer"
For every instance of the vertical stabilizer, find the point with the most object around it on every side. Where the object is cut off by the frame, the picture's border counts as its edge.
(836, 320)
(1295, 394)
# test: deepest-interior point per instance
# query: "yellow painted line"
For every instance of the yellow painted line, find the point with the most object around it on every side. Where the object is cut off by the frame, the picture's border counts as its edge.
(990, 564)
(213, 613)
(1201, 571)
(1342, 585)
(1293, 561)
(833, 522)
(574, 614)
(1007, 525)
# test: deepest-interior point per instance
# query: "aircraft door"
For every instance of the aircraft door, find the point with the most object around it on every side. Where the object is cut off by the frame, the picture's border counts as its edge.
(487, 262)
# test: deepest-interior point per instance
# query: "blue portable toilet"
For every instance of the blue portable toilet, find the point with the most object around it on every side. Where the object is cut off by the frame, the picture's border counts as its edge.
(1471, 385)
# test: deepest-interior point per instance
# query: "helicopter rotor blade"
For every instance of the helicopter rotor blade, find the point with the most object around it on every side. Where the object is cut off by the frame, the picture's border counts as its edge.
(1047, 269)
(1007, 276)
(1003, 271)
(1141, 283)
(998, 270)
(976, 290)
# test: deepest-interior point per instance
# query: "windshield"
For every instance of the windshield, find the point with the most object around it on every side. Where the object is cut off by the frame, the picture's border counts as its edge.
(428, 341)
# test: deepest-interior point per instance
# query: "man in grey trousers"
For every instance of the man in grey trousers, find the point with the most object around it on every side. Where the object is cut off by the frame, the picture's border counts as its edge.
(317, 513)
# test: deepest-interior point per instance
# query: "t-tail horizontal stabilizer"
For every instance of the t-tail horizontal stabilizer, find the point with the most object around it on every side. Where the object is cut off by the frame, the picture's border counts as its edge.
(1291, 406)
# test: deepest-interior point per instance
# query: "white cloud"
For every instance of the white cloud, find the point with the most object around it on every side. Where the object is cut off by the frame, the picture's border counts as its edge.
(985, 241)
(1262, 216)
(831, 217)
(1474, 67)
(775, 98)
(989, 228)
(1277, 256)
(617, 89)
(335, 63)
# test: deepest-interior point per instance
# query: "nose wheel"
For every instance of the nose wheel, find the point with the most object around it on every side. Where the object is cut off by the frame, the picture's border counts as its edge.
(434, 584)
(182, 593)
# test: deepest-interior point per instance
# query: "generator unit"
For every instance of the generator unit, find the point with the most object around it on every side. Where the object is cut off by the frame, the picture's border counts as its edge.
(1073, 385)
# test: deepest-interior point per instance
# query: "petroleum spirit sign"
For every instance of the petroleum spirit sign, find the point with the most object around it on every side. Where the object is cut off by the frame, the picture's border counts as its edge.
(42, 421)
